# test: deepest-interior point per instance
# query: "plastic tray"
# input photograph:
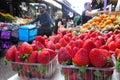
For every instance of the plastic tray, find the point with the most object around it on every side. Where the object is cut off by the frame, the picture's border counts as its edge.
(35, 71)
(91, 73)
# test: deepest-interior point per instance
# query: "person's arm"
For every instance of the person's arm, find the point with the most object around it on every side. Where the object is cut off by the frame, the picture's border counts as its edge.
(88, 13)
(35, 20)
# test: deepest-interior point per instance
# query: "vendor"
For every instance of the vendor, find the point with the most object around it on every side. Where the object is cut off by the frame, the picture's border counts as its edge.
(87, 14)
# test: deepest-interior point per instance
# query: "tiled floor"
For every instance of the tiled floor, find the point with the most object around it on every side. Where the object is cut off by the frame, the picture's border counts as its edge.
(5, 70)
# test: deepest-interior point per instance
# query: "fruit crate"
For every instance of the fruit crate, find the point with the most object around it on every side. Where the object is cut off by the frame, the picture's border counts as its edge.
(27, 32)
(34, 70)
(91, 73)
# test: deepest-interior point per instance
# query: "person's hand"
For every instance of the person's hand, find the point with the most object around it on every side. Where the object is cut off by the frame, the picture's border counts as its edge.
(39, 25)
(105, 11)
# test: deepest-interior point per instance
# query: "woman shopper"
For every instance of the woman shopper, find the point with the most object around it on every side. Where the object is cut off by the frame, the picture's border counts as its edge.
(58, 21)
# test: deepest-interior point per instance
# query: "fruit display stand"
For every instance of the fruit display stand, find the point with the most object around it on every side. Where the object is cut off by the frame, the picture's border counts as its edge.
(8, 35)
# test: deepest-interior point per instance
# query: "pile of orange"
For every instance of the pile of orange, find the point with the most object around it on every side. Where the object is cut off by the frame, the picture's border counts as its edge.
(101, 21)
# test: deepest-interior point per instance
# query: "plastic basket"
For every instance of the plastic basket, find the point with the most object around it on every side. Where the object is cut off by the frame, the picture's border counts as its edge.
(91, 73)
(35, 71)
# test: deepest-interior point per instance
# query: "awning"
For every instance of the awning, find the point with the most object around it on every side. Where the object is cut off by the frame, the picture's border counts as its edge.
(54, 3)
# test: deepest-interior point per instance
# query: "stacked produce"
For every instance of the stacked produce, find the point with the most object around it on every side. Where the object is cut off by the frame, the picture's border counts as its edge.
(33, 60)
(102, 23)
(85, 55)
(21, 21)
(91, 50)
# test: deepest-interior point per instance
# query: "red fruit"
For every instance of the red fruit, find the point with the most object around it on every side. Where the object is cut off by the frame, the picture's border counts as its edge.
(81, 58)
(106, 53)
(62, 30)
(63, 42)
(70, 35)
(26, 67)
(26, 48)
(116, 31)
(72, 44)
(94, 34)
(111, 38)
(63, 55)
(33, 57)
(74, 51)
(67, 38)
(117, 52)
(67, 71)
(109, 58)
(50, 45)
(108, 73)
(104, 47)
(88, 45)
(69, 49)
(23, 75)
(88, 74)
(81, 36)
(86, 37)
(36, 45)
(117, 43)
(109, 34)
(112, 46)
(17, 57)
(43, 57)
(57, 46)
(101, 39)
(18, 48)
(74, 76)
(11, 52)
(117, 36)
(97, 59)
(54, 39)
(35, 74)
(98, 44)
(40, 39)
(51, 52)
(79, 43)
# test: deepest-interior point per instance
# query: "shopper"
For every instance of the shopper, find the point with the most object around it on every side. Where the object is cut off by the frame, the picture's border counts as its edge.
(77, 20)
(69, 20)
(45, 21)
(58, 21)
(87, 14)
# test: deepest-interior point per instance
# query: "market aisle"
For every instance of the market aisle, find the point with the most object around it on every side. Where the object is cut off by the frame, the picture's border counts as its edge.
(5, 70)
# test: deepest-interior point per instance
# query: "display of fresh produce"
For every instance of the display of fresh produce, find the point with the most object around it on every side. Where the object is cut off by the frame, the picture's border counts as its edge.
(33, 60)
(90, 53)
(103, 23)
(84, 54)
(20, 21)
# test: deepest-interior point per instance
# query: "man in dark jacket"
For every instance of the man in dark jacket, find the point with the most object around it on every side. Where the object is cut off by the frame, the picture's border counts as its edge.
(45, 21)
